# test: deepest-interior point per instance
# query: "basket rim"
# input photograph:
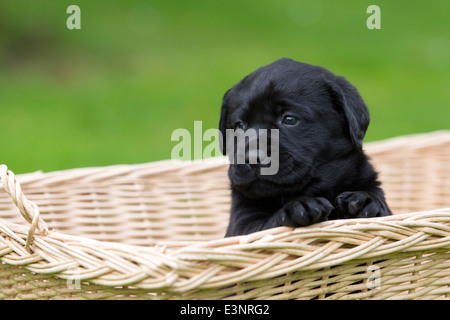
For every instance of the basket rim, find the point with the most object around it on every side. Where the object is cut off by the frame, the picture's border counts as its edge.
(413, 141)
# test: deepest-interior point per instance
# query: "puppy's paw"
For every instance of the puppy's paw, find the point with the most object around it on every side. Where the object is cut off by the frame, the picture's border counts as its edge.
(304, 212)
(359, 204)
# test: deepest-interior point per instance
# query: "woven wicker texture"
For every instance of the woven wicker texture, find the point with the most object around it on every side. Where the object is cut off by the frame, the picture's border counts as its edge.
(155, 231)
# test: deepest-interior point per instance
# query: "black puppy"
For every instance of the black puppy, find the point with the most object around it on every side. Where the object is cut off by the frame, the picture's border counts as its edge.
(323, 172)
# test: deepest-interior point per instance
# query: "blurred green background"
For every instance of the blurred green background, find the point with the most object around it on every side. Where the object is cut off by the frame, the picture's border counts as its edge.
(114, 91)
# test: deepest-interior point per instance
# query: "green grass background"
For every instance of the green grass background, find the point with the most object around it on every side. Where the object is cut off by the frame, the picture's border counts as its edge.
(114, 91)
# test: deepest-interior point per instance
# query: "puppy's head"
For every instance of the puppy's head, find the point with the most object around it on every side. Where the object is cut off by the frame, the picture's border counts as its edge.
(319, 116)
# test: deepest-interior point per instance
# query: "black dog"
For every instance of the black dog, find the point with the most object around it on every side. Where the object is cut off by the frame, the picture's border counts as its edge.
(323, 172)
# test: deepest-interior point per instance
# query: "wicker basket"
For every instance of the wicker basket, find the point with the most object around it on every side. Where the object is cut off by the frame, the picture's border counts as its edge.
(155, 231)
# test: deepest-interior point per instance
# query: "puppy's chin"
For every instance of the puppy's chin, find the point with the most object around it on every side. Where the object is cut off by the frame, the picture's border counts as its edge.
(241, 174)
(257, 189)
(252, 184)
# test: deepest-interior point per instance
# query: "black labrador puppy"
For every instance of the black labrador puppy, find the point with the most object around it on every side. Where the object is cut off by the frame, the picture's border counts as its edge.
(322, 173)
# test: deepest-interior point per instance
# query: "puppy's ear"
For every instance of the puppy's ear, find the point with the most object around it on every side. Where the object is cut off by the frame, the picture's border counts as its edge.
(223, 123)
(349, 102)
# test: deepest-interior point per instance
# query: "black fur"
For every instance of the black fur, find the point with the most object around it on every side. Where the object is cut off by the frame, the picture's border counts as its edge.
(323, 172)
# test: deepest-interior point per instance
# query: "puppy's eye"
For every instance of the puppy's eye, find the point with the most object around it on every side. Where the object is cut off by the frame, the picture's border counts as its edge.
(239, 125)
(290, 120)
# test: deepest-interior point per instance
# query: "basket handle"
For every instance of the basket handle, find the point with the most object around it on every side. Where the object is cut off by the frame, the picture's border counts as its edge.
(28, 209)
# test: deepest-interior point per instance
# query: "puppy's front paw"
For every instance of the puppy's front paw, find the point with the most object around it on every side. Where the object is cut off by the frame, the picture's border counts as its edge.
(359, 204)
(304, 212)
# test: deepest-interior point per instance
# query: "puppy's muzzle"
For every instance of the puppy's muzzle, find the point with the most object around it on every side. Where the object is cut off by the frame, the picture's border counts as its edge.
(252, 148)
(256, 158)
